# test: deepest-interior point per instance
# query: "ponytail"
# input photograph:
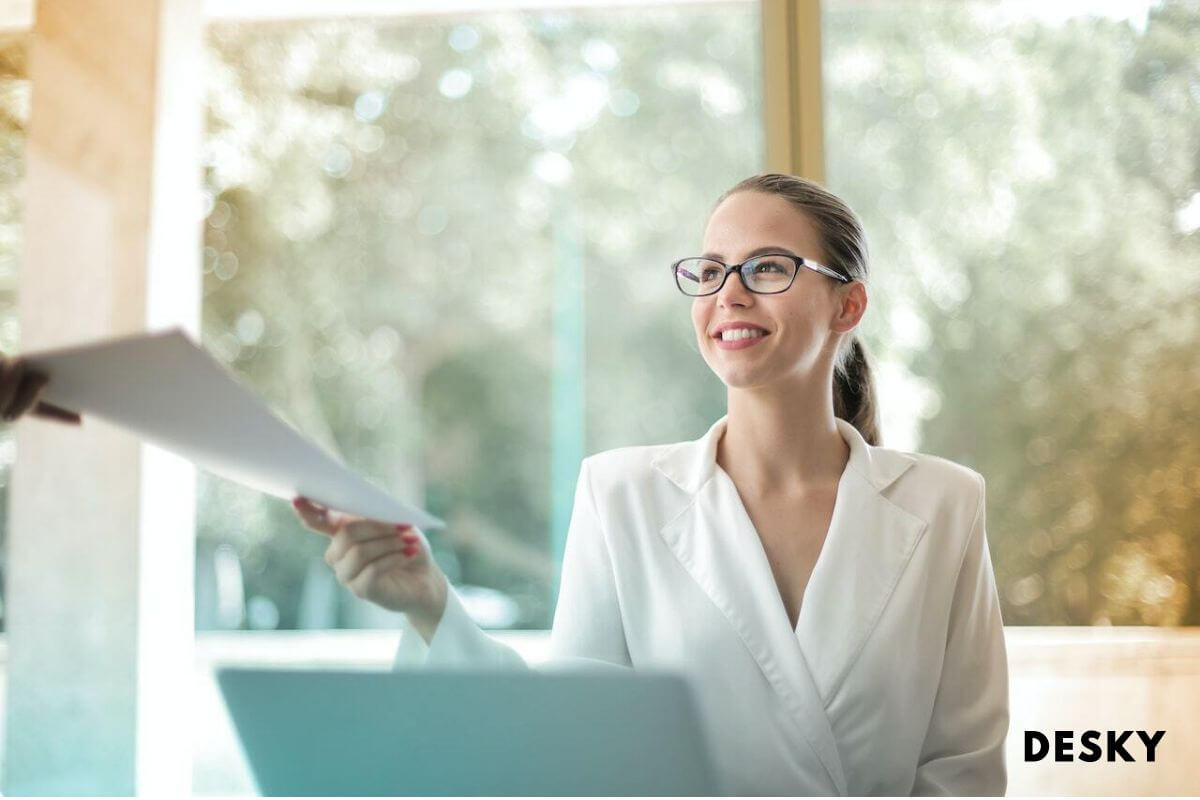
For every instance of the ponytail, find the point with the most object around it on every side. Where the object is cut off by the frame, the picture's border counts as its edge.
(854, 391)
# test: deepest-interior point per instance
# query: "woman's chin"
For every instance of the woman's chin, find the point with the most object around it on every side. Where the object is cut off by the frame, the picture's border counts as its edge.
(741, 377)
(738, 372)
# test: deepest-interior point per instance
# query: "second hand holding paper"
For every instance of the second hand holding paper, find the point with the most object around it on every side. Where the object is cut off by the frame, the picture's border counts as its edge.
(165, 389)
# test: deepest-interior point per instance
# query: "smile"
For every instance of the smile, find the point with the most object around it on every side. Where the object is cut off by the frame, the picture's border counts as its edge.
(740, 333)
(740, 339)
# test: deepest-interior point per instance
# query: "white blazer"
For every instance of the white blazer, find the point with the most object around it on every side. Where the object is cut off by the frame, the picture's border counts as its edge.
(895, 679)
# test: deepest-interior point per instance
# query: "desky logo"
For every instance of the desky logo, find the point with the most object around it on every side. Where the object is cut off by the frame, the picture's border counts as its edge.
(1093, 745)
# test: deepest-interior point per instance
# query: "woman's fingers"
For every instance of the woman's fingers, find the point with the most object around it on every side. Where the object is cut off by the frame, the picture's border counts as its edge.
(367, 584)
(360, 549)
(358, 531)
(386, 564)
(315, 516)
(362, 554)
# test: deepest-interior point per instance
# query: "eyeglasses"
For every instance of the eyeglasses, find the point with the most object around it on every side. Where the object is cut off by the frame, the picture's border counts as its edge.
(771, 273)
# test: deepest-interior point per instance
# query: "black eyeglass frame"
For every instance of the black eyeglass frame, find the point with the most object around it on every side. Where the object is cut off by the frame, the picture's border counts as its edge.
(799, 261)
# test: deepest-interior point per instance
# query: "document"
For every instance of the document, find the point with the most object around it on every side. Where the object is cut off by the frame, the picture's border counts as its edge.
(165, 389)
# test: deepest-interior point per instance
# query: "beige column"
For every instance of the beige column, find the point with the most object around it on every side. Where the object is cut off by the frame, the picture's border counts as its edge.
(792, 97)
(101, 528)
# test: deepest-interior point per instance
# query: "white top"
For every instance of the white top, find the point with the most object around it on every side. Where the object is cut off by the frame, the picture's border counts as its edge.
(895, 679)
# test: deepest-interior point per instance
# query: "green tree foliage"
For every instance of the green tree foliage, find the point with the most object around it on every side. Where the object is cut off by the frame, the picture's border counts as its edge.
(1024, 184)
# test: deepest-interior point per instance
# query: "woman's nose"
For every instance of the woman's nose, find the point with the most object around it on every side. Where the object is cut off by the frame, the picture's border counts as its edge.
(734, 291)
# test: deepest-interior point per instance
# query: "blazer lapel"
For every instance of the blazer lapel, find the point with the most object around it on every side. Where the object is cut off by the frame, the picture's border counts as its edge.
(869, 539)
(870, 542)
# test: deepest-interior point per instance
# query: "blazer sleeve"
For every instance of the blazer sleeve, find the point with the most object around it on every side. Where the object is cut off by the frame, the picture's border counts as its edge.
(587, 620)
(963, 751)
(587, 629)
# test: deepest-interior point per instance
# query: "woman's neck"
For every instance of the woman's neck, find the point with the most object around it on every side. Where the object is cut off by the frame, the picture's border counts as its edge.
(782, 442)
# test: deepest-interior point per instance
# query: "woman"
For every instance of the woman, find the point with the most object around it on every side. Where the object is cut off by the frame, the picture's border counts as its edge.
(832, 601)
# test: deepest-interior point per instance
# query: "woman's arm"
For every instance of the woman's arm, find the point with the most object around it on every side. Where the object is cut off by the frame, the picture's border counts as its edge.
(456, 640)
(587, 619)
(963, 752)
(587, 628)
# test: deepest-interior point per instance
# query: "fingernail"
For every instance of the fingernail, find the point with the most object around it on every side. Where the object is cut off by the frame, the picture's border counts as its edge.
(296, 502)
(402, 526)
(410, 551)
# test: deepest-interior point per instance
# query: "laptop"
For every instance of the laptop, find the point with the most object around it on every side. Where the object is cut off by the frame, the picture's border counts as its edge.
(309, 732)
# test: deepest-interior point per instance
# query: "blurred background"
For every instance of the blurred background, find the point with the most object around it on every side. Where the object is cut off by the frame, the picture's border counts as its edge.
(439, 245)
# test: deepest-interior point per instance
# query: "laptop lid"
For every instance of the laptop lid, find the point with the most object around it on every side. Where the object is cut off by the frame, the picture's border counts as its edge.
(468, 732)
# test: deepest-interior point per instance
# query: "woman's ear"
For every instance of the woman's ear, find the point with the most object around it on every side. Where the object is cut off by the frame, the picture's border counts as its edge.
(852, 298)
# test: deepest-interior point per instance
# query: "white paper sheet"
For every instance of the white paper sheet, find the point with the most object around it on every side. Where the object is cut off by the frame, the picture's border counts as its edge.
(167, 390)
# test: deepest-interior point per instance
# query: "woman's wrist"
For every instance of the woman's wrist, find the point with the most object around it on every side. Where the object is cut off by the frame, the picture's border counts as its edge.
(426, 616)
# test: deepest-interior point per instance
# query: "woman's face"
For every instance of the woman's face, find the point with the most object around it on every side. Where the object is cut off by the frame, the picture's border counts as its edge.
(799, 337)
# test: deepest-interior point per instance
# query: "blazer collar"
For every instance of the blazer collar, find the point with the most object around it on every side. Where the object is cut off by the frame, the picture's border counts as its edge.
(691, 464)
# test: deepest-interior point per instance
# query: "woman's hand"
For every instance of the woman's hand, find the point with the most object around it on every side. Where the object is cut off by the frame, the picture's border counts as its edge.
(19, 390)
(390, 565)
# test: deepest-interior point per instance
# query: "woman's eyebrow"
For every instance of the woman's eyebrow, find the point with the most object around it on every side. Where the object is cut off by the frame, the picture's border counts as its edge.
(758, 251)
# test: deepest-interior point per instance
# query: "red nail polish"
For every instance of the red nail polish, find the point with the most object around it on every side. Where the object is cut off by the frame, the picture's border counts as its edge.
(401, 526)
(410, 551)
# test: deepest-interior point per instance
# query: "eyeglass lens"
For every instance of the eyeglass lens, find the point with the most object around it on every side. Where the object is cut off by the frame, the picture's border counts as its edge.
(764, 274)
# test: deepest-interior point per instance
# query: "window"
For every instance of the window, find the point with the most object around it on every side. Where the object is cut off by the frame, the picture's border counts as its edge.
(434, 244)
(1030, 182)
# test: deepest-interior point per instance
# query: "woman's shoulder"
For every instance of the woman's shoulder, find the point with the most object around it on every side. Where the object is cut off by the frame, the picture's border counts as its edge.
(944, 471)
(934, 485)
(631, 462)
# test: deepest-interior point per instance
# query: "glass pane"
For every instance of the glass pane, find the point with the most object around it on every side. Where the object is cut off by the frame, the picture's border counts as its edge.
(433, 243)
(1030, 180)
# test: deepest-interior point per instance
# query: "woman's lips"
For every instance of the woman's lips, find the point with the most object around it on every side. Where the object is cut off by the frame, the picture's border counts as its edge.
(740, 344)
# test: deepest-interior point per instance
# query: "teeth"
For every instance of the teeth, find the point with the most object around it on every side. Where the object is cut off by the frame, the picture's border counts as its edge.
(739, 333)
